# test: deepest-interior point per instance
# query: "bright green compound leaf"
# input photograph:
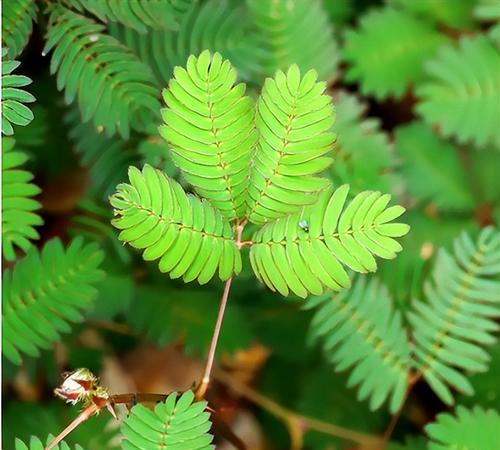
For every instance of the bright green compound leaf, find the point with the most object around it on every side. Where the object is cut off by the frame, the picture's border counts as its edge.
(17, 24)
(44, 293)
(387, 51)
(294, 32)
(425, 156)
(19, 215)
(307, 251)
(461, 96)
(293, 118)
(14, 110)
(451, 330)
(178, 423)
(467, 429)
(360, 331)
(36, 444)
(189, 236)
(209, 125)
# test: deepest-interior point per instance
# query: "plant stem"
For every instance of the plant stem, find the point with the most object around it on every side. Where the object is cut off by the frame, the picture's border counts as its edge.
(392, 425)
(202, 388)
(82, 417)
(297, 424)
(109, 325)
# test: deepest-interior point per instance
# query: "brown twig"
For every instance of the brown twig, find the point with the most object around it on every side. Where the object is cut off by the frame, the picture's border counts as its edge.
(133, 398)
(127, 399)
(130, 400)
(392, 424)
(243, 243)
(296, 423)
(109, 325)
(202, 388)
(82, 417)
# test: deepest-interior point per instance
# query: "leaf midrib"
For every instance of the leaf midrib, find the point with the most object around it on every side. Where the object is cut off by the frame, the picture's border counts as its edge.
(181, 225)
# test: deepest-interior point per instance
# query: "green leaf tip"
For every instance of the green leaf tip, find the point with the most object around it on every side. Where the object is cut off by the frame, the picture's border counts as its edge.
(178, 422)
(288, 257)
(190, 238)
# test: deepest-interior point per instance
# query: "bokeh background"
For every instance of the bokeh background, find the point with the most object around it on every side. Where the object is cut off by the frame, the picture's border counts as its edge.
(416, 88)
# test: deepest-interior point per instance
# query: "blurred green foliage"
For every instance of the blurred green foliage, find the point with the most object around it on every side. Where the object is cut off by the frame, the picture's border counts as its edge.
(415, 86)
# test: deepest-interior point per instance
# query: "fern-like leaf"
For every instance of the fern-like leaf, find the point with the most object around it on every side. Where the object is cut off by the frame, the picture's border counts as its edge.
(340, 12)
(210, 128)
(111, 84)
(222, 26)
(387, 51)
(426, 156)
(294, 32)
(37, 134)
(453, 14)
(293, 118)
(467, 429)
(107, 157)
(92, 221)
(44, 293)
(489, 11)
(137, 14)
(306, 251)
(167, 316)
(18, 207)
(14, 110)
(177, 423)
(156, 152)
(17, 24)
(188, 235)
(451, 330)
(360, 331)
(364, 157)
(36, 444)
(462, 95)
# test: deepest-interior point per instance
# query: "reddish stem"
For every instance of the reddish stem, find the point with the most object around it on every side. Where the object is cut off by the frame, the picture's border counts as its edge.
(84, 415)
(202, 389)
